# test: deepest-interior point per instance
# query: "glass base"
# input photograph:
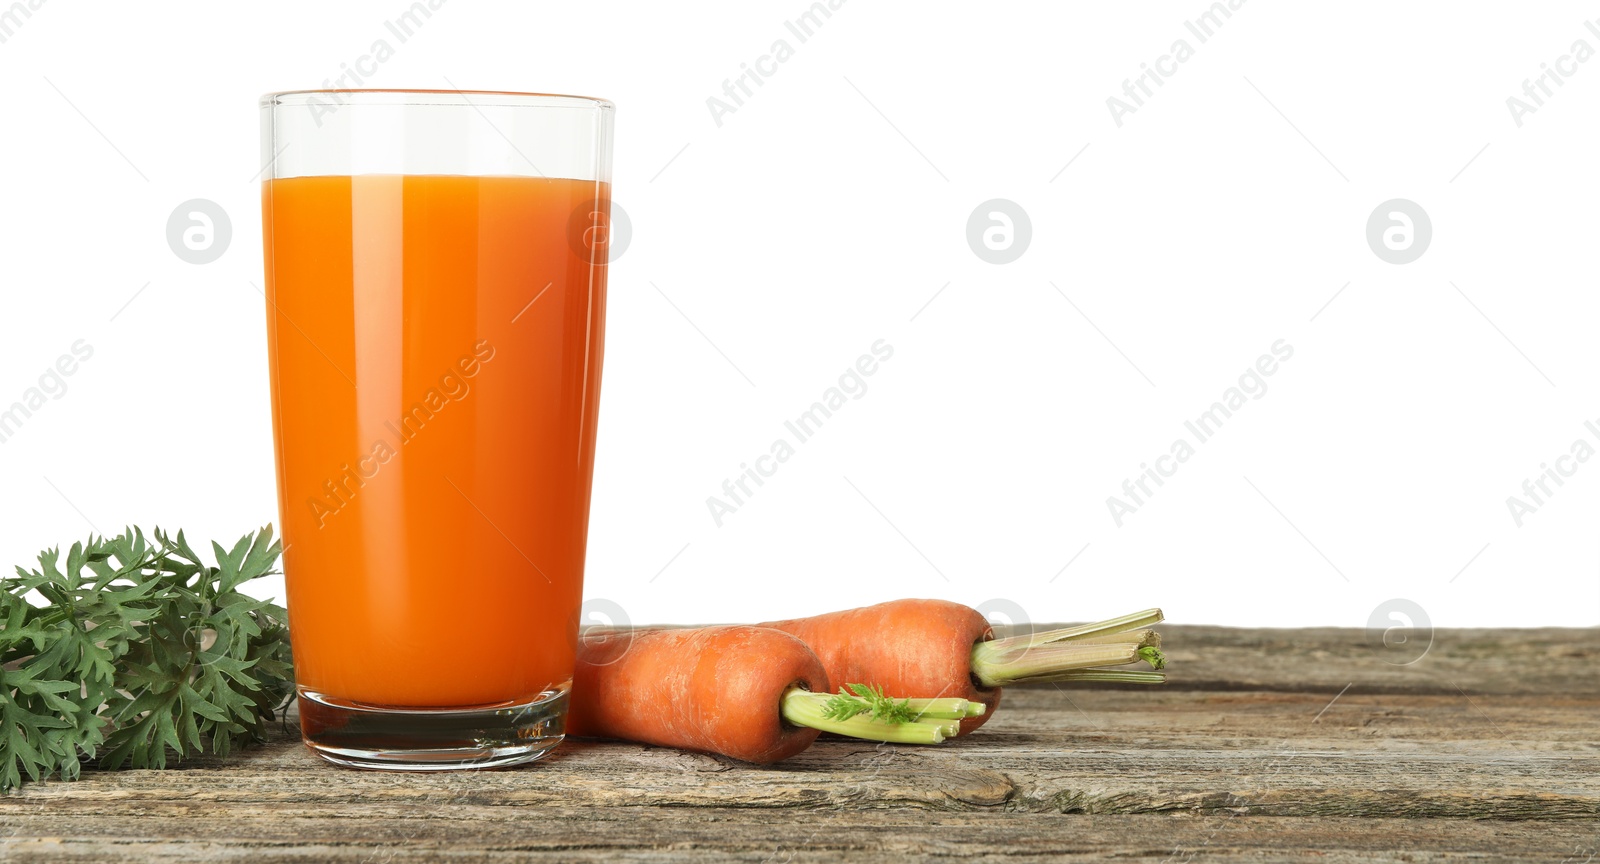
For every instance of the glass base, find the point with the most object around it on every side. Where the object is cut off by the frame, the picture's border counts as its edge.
(423, 739)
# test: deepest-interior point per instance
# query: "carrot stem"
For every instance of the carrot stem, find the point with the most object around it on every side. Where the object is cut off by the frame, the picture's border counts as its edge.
(1085, 632)
(944, 709)
(1074, 653)
(804, 708)
(1120, 676)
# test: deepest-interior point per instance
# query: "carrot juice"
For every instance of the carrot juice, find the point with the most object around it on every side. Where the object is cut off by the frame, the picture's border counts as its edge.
(435, 350)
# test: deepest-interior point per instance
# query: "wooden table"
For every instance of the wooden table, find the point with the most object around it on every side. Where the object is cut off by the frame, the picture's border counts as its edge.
(1268, 745)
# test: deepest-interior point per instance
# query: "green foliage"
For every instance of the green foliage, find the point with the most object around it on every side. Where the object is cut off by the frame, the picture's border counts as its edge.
(139, 652)
(868, 700)
(1154, 657)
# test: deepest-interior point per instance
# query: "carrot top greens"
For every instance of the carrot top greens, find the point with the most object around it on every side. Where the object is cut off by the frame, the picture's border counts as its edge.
(141, 652)
(868, 700)
(871, 700)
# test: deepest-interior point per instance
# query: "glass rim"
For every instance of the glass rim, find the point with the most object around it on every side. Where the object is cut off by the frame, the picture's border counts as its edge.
(404, 97)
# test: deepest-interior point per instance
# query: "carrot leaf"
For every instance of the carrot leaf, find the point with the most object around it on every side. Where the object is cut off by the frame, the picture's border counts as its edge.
(139, 654)
(868, 700)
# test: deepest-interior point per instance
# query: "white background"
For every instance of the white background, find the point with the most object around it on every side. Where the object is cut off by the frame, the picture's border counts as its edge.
(1224, 215)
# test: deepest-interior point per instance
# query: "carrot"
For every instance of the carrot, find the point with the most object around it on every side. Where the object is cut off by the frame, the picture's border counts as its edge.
(935, 648)
(751, 693)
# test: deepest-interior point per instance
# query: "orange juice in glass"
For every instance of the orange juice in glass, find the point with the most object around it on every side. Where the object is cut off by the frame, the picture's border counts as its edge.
(435, 285)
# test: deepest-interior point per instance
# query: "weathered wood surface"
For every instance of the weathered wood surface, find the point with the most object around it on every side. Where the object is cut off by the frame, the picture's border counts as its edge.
(1294, 745)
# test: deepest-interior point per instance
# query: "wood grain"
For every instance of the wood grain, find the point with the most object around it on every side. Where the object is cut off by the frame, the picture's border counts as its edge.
(1291, 745)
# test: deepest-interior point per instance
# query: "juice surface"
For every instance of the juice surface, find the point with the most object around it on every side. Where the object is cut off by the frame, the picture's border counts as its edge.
(435, 347)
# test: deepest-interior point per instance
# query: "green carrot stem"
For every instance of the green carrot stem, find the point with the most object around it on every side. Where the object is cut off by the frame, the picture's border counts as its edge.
(1119, 676)
(1067, 653)
(1137, 637)
(1110, 626)
(998, 667)
(804, 708)
(944, 709)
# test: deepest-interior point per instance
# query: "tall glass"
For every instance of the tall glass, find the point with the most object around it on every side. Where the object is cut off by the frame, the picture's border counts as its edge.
(435, 285)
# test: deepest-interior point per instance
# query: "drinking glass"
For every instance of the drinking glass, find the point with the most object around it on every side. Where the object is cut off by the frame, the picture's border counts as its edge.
(435, 287)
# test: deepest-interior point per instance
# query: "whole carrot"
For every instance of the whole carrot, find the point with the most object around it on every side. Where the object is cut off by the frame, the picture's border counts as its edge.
(907, 647)
(751, 693)
(941, 649)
